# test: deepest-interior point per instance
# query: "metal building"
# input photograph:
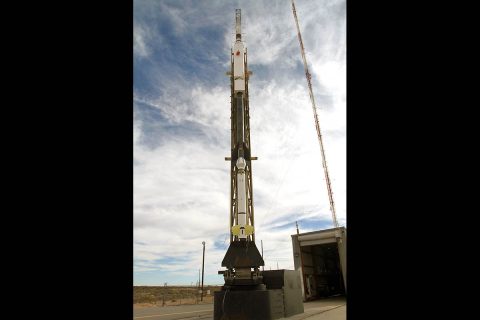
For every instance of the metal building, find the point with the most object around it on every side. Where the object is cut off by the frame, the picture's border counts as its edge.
(321, 258)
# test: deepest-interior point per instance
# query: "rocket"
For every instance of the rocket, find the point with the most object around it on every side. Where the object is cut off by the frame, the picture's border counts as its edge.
(242, 229)
(248, 291)
(242, 254)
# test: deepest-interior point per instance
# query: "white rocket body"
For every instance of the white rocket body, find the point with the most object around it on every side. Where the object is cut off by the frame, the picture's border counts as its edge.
(242, 229)
(238, 53)
(241, 198)
(238, 66)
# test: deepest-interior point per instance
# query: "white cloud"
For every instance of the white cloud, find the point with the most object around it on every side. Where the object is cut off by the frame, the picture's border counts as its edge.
(140, 41)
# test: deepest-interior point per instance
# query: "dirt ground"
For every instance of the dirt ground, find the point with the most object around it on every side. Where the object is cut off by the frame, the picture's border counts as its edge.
(148, 296)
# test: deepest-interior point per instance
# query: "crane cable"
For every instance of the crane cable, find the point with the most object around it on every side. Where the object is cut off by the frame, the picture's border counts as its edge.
(317, 124)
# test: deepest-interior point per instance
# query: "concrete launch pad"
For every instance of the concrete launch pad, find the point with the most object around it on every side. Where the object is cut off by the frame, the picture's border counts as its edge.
(279, 296)
(239, 304)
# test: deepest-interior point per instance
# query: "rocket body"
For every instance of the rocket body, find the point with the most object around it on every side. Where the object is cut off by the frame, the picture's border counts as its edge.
(242, 254)
(241, 227)
(241, 198)
(238, 66)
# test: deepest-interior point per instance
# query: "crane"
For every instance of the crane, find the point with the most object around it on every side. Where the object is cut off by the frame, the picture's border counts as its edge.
(316, 118)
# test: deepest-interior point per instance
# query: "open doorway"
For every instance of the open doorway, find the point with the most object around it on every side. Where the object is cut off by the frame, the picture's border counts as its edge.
(323, 273)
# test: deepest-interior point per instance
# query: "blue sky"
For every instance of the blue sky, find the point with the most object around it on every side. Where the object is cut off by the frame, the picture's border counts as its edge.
(181, 109)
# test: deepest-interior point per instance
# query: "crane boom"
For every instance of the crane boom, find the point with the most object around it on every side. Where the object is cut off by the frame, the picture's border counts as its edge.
(317, 123)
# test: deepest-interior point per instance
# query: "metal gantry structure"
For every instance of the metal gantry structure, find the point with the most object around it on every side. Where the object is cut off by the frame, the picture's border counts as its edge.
(240, 131)
(248, 293)
(242, 255)
(316, 118)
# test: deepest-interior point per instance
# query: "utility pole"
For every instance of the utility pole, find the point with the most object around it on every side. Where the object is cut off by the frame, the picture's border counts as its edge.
(203, 265)
(263, 267)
